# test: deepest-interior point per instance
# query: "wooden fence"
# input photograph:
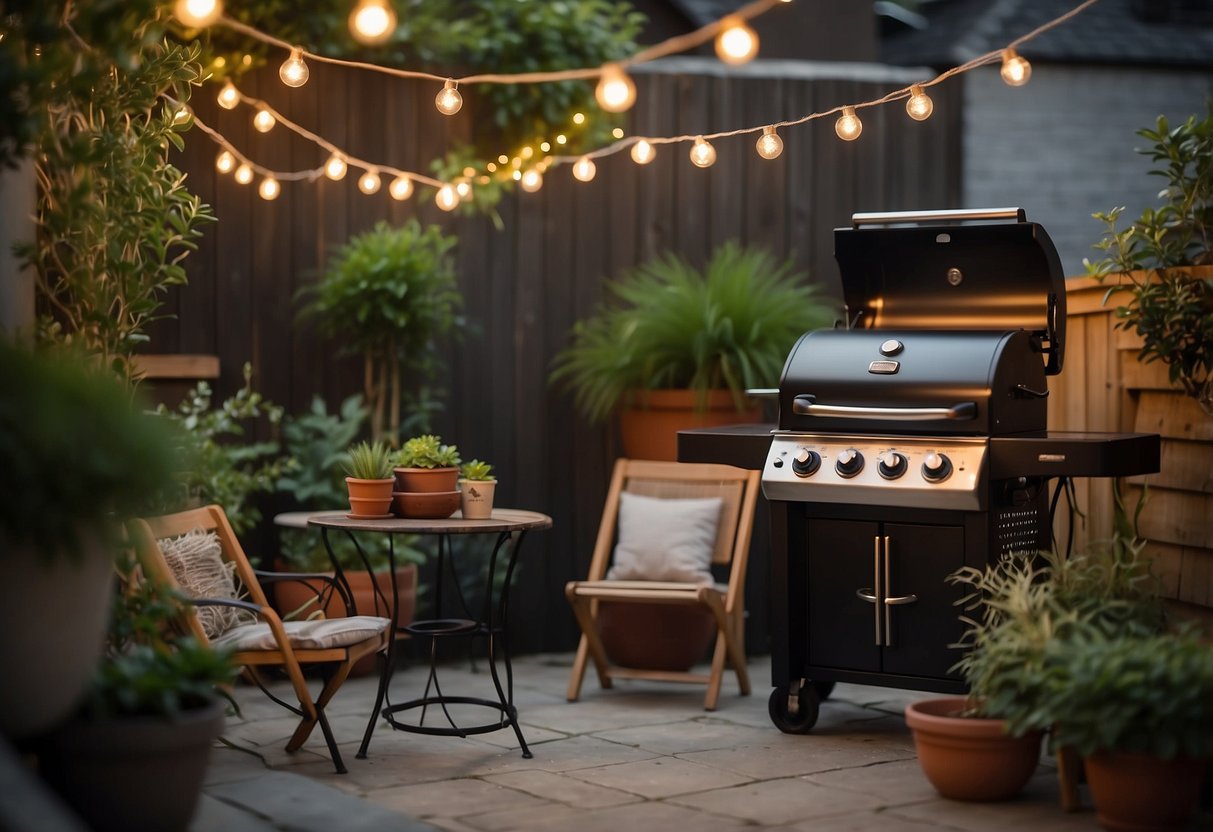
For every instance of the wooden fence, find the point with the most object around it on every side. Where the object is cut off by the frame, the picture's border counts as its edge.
(525, 285)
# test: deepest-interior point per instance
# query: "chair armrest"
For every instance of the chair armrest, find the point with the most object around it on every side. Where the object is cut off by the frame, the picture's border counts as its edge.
(276, 577)
(321, 594)
(228, 602)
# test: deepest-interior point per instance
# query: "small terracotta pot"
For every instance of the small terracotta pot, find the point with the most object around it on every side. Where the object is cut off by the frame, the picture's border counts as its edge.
(969, 758)
(1134, 792)
(414, 480)
(370, 498)
(476, 498)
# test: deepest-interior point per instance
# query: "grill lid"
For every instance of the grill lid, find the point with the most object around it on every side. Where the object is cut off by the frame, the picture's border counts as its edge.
(986, 269)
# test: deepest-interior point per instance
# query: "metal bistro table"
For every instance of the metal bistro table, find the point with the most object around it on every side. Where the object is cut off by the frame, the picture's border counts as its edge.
(510, 526)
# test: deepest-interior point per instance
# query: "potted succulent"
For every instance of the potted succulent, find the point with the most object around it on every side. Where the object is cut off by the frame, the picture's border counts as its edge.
(476, 489)
(676, 347)
(425, 464)
(369, 480)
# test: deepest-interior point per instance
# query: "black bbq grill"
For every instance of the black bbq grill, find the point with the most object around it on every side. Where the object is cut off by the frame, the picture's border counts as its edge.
(911, 443)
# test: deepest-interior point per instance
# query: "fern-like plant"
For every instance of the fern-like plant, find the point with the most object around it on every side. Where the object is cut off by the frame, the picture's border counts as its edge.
(370, 461)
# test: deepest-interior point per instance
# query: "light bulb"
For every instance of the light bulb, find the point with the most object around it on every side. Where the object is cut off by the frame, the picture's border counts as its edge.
(615, 91)
(401, 188)
(225, 162)
(264, 121)
(464, 191)
(269, 188)
(294, 72)
(643, 152)
(372, 21)
(448, 101)
(229, 96)
(1015, 70)
(198, 13)
(531, 181)
(848, 127)
(919, 105)
(737, 43)
(769, 145)
(368, 183)
(244, 174)
(447, 198)
(335, 168)
(584, 169)
(703, 155)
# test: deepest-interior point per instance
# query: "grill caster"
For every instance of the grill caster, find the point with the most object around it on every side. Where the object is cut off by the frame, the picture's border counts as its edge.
(808, 702)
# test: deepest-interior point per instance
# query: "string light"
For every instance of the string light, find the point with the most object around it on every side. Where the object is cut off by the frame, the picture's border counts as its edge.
(464, 190)
(919, 105)
(1015, 70)
(584, 169)
(447, 198)
(737, 43)
(848, 127)
(401, 188)
(335, 168)
(531, 180)
(372, 22)
(229, 96)
(769, 145)
(244, 174)
(294, 72)
(225, 162)
(616, 92)
(369, 183)
(198, 13)
(643, 152)
(269, 188)
(703, 155)
(448, 101)
(264, 121)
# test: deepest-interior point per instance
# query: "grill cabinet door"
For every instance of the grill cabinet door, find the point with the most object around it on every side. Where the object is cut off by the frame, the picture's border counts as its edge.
(842, 629)
(919, 560)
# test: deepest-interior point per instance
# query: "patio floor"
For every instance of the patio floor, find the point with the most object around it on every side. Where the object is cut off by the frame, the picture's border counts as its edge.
(642, 756)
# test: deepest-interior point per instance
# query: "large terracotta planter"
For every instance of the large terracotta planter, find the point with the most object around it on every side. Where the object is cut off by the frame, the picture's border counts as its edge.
(649, 425)
(411, 480)
(968, 758)
(370, 498)
(293, 595)
(655, 636)
(1137, 792)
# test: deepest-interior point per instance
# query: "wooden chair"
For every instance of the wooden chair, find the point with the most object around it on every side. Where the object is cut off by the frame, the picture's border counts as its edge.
(333, 644)
(738, 490)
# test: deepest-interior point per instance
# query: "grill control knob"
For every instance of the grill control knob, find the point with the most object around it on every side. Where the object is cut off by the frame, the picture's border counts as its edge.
(806, 463)
(849, 463)
(936, 467)
(892, 465)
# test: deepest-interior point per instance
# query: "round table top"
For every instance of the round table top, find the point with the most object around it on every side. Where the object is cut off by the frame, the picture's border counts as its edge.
(502, 520)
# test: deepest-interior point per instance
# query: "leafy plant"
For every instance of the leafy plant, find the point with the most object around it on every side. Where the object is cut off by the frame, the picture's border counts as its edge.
(427, 451)
(669, 325)
(319, 443)
(370, 461)
(389, 294)
(1166, 304)
(477, 470)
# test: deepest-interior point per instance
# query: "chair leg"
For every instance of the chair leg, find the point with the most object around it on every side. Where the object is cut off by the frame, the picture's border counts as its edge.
(742, 670)
(713, 695)
(577, 676)
(331, 741)
(589, 634)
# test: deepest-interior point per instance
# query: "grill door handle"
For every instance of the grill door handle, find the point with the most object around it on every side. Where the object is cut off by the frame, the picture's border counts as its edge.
(803, 405)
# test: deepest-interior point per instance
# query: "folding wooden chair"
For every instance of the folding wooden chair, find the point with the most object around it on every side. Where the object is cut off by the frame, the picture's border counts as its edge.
(334, 644)
(738, 490)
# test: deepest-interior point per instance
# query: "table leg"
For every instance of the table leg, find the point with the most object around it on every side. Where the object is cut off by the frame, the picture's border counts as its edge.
(507, 701)
(389, 660)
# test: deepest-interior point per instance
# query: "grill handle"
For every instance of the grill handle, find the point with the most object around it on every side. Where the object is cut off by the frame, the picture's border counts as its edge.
(804, 405)
(762, 392)
(894, 217)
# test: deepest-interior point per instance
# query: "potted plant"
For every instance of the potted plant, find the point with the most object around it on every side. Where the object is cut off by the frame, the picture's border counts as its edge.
(426, 464)
(1163, 261)
(369, 480)
(676, 347)
(476, 490)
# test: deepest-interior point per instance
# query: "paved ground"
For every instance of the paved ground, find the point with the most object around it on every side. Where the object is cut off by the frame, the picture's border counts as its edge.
(643, 756)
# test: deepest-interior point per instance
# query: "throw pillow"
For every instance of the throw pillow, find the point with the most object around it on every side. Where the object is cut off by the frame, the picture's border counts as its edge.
(196, 561)
(665, 540)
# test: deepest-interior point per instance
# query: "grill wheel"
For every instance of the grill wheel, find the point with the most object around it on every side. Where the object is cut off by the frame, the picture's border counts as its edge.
(808, 703)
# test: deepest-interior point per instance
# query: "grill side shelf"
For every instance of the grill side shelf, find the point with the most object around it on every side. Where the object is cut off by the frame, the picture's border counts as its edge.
(1074, 454)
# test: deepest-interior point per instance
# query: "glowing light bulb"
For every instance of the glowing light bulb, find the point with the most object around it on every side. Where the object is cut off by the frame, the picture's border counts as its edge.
(848, 127)
(615, 91)
(229, 96)
(264, 121)
(372, 21)
(447, 198)
(769, 145)
(1015, 70)
(225, 162)
(703, 155)
(294, 72)
(335, 168)
(244, 174)
(368, 183)
(198, 13)
(919, 105)
(269, 188)
(545, 146)
(737, 43)
(531, 181)
(584, 169)
(643, 152)
(401, 188)
(448, 101)
(579, 118)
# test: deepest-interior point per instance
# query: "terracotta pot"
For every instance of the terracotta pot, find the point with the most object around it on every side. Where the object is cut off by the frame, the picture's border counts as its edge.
(1135, 792)
(655, 636)
(293, 595)
(649, 425)
(370, 498)
(425, 505)
(426, 479)
(968, 758)
(476, 499)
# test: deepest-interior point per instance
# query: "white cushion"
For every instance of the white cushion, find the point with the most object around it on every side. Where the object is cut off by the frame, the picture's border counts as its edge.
(320, 634)
(196, 561)
(665, 540)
